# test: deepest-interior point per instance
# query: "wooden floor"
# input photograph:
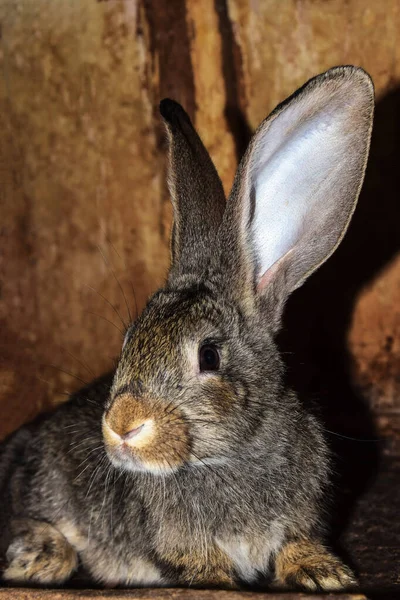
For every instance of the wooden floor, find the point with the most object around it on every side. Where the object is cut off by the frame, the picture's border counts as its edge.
(172, 594)
(372, 538)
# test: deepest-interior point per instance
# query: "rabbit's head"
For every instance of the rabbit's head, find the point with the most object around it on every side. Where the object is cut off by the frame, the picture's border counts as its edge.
(199, 372)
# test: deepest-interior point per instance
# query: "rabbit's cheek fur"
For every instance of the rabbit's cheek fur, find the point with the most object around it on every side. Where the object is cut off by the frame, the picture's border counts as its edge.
(142, 434)
(213, 420)
(219, 395)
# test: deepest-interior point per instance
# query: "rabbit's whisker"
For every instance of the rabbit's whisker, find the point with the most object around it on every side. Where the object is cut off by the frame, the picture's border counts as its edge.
(50, 385)
(78, 444)
(67, 373)
(110, 267)
(109, 303)
(80, 361)
(89, 454)
(105, 319)
(123, 261)
(353, 439)
(97, 468)
(135, 300)
(81, 473)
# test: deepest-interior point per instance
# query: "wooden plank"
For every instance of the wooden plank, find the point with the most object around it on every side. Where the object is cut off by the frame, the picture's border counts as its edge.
(163, 594)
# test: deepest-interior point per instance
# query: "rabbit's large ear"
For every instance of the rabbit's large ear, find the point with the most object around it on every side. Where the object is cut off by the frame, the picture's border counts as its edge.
(196, 190)
(296, 187)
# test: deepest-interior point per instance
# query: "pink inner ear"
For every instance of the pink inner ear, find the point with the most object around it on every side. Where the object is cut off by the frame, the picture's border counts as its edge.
(270, 273)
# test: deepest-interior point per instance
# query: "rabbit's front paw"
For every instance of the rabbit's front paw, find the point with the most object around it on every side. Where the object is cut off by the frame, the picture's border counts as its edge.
(39, 553)
(309, 566)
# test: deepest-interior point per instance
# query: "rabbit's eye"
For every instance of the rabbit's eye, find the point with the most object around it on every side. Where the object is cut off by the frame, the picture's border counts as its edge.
(209, 358)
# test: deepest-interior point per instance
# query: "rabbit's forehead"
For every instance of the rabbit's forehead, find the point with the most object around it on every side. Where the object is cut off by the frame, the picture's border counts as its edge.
(164, 330)
(179, 316)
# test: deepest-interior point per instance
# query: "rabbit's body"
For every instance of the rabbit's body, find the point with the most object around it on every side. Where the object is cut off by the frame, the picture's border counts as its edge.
(203, 524)
(195, 464)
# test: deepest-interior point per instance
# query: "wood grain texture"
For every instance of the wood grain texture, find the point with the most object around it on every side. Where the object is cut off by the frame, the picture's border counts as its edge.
(162, 594)
(82, 192)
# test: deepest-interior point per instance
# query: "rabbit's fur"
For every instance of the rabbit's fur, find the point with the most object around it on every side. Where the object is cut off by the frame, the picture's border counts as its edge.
(172, 474)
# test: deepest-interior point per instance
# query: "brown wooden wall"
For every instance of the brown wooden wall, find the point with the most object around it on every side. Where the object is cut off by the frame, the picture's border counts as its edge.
(84, 206)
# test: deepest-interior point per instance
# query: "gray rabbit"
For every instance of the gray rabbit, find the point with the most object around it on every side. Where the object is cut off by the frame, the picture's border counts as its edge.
(195, 464)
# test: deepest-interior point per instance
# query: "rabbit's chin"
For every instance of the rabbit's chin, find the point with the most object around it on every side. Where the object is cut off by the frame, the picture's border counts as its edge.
(123, 459)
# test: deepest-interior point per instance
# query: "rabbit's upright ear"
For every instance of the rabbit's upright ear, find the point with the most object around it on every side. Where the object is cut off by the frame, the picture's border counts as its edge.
(296, 188)
(196, 190)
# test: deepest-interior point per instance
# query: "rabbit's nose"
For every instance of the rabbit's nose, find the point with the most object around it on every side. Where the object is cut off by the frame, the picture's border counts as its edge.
(138, 436)
(132, 433)
(130, 421)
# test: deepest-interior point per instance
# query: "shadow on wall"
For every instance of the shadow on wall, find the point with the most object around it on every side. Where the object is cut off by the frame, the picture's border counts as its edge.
(318, 316)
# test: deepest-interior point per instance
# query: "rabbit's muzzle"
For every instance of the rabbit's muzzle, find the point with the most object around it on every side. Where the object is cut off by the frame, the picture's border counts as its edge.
(143, 434)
